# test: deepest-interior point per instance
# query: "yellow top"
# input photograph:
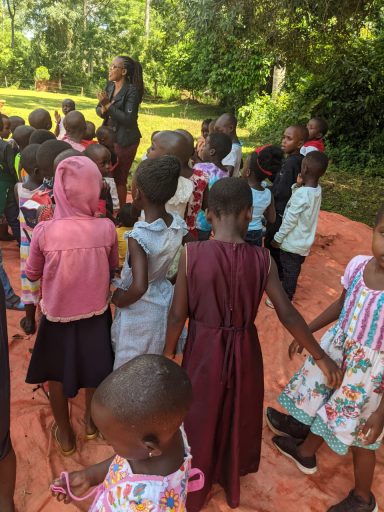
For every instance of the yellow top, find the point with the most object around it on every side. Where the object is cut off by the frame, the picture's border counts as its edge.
(122, 243)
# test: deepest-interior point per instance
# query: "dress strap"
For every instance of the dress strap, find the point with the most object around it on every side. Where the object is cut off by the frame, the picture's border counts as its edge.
(197, 483)
(57, 488)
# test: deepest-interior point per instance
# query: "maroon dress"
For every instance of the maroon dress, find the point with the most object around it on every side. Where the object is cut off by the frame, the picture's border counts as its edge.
(223, 359)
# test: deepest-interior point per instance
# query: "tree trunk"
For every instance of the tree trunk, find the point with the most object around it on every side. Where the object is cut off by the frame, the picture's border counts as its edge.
(12, 12)
(147, 17)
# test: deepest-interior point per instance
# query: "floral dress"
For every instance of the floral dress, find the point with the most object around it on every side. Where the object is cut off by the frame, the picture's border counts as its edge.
(200, 182)
(356, 344)
(124, 490)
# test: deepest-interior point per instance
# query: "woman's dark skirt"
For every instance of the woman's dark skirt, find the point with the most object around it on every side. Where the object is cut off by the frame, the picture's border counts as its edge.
(5, 439)
(78, 354)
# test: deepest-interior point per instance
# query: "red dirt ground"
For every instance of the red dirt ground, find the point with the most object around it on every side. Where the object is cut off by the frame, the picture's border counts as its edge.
(278, 486)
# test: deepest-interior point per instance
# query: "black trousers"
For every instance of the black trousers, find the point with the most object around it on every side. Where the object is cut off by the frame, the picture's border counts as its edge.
(272, 229)
(11, 212)
(291, 267)
(5, 439)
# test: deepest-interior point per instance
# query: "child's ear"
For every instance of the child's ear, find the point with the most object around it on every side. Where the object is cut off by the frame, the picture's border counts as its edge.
(208, 215)
(152, 447)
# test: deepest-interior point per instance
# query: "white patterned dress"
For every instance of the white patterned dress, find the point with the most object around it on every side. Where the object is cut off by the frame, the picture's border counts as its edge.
(141, 327)
(356, 344)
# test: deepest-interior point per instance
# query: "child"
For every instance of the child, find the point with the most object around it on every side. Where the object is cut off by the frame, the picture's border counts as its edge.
(126, 220)
(5, 132)
(261, 165)
(102, 158)
(40, 119)
(75, 129)
(144, 294)
(293, 139)
(152, 461)
(21, 136)
(297, 231)
(219, 286)
(317, 129)
(201, 140)
(40, 136)
(227, 123)
(8, 207)
(74, 254)
(30, 291)
(90, 132)
(350, 415)
(107, 137)
(15, 122)
(217, 146)
(169, 142)
(67, 106)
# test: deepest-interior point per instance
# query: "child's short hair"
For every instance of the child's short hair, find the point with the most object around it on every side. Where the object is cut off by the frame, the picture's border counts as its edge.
(28, 160)
(15, 122)
(158, 178)
(125, 217)
(303, 131)
(379, 215)
(317, 163)
(266, 161)
(229, 196)
(321, 124)
(164, 388)
(67, 153)
(221, 143)
(105, 131)
(40, 136)
(206, 122)
(22, 135)
(90, 132)
(40, 119)
(189, 137)
(47, 153)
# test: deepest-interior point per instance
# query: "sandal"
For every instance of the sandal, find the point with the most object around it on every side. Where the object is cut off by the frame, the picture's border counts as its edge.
(65, 453)
(15, 303)
(28, 326)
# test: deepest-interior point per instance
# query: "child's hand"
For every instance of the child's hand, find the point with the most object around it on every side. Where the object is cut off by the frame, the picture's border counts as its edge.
(330, 369)
(117, 298)
(373, 428)
(294, 348)
(57, 117)
(79, 482)
(275, 244)
(299, 180)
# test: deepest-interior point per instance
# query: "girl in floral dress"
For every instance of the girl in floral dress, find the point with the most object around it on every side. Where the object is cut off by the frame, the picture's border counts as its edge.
(353, 414)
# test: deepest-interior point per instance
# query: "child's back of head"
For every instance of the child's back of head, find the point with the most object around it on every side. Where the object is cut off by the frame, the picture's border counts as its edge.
(314, 166)
(90, 132)
(157, 178)
(152, 420)
(39, 136)
(40, 119)
(15, 122)
(127, 216)
(47, 153)
(107, 137)
(265, 162)
(190, 139)
(22, 135)
(217, 146)
(229, 197)
(75, 125)
(28, 160)
(227, 123)
(168, 142)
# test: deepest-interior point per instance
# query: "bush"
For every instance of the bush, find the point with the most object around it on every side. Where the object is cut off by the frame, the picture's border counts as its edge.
(42, 73)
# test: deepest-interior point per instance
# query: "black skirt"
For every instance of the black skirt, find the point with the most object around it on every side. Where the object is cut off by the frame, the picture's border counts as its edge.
(5, 439)
(78, 354)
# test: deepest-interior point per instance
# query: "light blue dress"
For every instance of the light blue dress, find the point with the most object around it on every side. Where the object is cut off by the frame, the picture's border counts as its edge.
(141, 328)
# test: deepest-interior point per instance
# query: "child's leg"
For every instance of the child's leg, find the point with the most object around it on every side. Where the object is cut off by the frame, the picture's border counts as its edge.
(90, 427)
(310, 445)
(28, 323)
(7, 481)
(364, 462)
(59, 405)
(291, 265)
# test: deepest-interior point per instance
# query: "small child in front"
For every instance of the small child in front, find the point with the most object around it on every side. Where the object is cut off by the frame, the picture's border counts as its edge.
(298, 229)
(152, 463)
(75, 130)
(40, 119)
(350, 415)
(127, 218)
(219, 286)
(317, 129)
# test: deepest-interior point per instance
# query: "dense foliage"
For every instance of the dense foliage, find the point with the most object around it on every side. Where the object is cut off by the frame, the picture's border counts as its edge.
(218, 50)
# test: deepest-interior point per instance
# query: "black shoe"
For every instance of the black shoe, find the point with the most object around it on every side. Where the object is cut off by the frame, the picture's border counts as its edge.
(353, 503)
(285, 425)
(289, 447)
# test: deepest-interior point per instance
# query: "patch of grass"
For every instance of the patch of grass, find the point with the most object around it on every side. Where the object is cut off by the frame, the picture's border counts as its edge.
(354, 195)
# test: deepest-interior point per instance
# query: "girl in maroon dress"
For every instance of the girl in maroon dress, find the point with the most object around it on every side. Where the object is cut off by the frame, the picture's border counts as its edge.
(219, 287)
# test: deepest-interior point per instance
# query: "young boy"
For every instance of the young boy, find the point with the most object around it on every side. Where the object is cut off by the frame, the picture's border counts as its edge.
(317, 129)
(75, 128)
(67, 106)
(40, 119)
(21, 136)
(9, 209)
(293, 139)
(90, 132)
(107, 137)
(227, 124)
(201, 140)
(5, 132)
(297, 231)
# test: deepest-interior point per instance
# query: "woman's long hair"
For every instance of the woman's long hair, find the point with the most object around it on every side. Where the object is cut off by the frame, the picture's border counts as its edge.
(134, 74)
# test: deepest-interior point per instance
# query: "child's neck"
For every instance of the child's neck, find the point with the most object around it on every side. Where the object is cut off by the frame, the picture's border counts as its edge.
(294, 153)
(226, 229)
(216, 161)
(186, 171)
(154, 211)
(254, 183)
(311, 182)
(76, 137)
(31, 183)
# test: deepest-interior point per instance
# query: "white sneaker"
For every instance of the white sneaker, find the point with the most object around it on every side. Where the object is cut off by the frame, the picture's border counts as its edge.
(268, 303)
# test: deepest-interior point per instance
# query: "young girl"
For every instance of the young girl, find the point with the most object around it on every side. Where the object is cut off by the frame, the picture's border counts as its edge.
(261, 165)
(219, 286)
(73, 254)
(152, 465)
(217, 146)
(30, 291)
(351, 415)
(144, 294)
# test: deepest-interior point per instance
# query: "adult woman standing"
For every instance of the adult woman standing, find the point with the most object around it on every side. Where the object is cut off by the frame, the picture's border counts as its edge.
(118, 106)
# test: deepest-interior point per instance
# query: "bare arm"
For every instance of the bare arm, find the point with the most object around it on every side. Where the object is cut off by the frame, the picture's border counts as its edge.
(270, 212)
(139, 285)
(179, 309)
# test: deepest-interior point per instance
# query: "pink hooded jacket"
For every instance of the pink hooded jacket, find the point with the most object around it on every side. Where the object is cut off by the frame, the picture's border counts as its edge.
(74, 252)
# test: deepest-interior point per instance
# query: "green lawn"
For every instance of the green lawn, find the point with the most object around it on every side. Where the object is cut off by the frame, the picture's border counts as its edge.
(354, 195)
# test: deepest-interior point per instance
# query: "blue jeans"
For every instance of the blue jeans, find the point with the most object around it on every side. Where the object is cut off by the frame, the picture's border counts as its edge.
(254, 237)
(8, 290)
